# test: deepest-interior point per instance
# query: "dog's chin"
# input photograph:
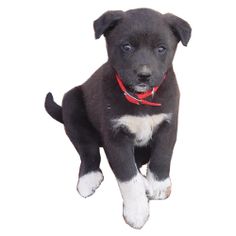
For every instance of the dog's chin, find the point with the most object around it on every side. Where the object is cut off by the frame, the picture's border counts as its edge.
(141, 88)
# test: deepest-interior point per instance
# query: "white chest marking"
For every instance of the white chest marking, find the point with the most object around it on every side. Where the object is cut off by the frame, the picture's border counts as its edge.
(142, 127)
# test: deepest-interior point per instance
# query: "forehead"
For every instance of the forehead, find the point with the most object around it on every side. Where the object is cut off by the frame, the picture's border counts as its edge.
(144, 19)
(146, 26)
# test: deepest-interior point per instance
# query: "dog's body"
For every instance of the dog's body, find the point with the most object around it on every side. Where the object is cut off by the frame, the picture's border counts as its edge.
(141, 45)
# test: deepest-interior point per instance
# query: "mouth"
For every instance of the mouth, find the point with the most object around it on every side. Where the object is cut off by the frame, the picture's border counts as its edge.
(142, 87)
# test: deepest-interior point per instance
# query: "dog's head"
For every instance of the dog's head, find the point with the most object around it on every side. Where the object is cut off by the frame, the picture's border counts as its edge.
(141, 44)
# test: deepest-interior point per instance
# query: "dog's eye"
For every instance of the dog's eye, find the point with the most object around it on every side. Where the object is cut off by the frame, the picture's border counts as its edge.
(161, 50)
(127, 47)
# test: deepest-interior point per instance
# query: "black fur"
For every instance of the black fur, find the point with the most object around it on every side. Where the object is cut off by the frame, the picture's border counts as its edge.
(88, 110)
(54, 110)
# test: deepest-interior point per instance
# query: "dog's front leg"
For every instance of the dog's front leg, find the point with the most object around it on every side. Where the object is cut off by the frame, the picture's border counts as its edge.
(120, 154)
(159, 166)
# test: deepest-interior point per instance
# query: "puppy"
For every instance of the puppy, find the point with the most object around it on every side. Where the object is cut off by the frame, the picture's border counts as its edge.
(129, 106)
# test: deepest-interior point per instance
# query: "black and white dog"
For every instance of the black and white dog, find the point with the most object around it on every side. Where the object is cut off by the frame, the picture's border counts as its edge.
(129, 107)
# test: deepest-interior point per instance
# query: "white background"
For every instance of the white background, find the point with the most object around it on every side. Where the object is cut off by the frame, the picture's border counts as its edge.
(49, 46)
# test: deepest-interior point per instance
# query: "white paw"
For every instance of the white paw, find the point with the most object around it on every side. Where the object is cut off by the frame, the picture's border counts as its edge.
(88, 183)
(135, 207)
(148, 187)
(136, 213)
(161, 189)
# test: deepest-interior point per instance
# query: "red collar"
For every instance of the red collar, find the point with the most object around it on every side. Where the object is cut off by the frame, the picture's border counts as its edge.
(139, 98)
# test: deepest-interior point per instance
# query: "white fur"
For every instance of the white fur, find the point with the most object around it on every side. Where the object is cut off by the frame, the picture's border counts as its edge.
(88, 183)
(141, 89)
(141, 126)
(161, 189)
(136, 207)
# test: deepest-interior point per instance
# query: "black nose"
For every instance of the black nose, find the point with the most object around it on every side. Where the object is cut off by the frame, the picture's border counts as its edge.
(144, 74)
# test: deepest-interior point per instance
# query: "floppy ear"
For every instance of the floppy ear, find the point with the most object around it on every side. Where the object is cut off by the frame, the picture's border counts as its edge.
(106, 22)
(180, 27)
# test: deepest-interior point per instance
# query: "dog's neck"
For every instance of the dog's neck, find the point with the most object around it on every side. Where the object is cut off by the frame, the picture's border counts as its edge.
(139, 98)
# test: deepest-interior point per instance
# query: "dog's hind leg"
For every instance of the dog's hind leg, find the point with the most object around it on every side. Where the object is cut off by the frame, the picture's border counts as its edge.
(85, 139)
